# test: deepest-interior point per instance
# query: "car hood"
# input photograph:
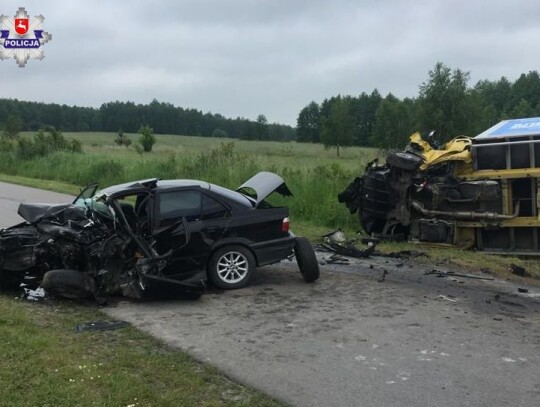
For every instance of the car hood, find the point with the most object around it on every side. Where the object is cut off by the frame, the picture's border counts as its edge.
(35, 212)
(264, 184)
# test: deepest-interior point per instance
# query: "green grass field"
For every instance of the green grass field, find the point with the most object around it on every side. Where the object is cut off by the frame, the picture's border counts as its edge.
(314, 175)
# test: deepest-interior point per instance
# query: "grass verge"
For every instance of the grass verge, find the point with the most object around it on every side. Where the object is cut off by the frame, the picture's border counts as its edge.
(46, 363)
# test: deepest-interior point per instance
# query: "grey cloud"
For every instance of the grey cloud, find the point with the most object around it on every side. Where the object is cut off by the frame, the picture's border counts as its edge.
(242, 58)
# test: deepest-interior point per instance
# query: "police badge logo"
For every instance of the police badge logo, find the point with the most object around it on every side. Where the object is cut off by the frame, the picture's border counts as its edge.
(22, 37)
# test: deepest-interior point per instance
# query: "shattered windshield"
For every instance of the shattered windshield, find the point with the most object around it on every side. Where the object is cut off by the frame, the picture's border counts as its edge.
(95, 204)
(89, 199)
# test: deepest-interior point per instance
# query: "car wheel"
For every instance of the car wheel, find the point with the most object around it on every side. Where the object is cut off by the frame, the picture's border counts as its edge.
(306, 259)
(404, 161)
(231, 267)
(68, 284)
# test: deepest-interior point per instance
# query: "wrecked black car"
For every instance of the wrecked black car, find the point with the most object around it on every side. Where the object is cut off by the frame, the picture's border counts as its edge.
(152, 235)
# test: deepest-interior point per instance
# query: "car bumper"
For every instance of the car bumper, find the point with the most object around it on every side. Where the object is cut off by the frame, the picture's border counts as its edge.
(274, 250)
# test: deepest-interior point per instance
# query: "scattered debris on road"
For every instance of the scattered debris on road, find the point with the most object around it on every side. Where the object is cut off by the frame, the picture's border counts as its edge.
(383, 276)
(518, 270)
(33, 295)
(440, 273)
(100, 326)
(335, 259)
(446, 298)
(337, 242)
(404, 254)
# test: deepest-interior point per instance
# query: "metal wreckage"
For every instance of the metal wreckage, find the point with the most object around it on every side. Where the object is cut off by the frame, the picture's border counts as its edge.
(481, 192)
(151, 236)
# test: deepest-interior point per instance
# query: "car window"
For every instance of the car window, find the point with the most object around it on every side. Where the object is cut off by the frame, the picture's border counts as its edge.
(176, 204)
(233, 196)
(212, 209)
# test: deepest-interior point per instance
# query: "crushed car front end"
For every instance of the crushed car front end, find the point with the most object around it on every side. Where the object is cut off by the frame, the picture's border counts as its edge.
(477, 192)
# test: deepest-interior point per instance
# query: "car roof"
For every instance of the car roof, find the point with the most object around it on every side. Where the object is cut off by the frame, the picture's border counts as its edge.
(176, 183)
(154, 183)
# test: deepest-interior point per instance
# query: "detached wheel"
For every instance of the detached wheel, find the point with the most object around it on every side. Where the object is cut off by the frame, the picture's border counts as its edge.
(306, 259)
(231, 267)
(404, 161)
(69, 284)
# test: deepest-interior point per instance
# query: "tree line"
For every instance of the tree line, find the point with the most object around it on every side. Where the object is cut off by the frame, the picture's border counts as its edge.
(164, 118)
(445, 103)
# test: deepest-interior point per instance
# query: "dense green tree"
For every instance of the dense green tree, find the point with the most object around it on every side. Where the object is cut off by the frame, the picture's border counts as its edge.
(337, 130)
(443, 102)
(523, 109)
(526, 87)
(363, 110)
(308, 123)
(261, 127)
(393, 123)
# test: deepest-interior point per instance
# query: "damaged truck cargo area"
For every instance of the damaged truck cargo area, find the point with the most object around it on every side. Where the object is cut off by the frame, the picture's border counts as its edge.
(481, 192)
(152, 237)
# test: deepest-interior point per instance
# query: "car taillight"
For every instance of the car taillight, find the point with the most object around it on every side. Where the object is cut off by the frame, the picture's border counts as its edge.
(285, 225)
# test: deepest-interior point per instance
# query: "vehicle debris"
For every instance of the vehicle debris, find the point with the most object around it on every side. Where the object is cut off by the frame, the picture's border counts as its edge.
(518, 270)
(440, 273)
(522, 290)
(152, 236)
(469, 192)
(33, 295)
(404, 254)
(337, 242)
(100, 326)
(335, 259)
(446, 298)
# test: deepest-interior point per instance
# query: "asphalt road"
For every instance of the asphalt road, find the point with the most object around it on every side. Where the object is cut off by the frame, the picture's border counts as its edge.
(349, 340)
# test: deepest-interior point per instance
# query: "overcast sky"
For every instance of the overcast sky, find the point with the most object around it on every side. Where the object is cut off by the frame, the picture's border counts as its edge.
(243, 58)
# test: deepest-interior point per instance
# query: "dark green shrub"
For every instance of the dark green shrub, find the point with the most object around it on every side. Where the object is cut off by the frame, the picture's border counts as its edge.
(42, 144)
(147, 139)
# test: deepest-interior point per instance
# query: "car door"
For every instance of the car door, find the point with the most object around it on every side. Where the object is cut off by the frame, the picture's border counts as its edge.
(207, 221)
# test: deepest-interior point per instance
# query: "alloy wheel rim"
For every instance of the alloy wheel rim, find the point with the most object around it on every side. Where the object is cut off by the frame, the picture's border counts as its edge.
(232, 267)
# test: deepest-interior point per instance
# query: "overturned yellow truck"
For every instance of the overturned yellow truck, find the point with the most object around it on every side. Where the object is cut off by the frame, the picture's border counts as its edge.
(481, 192)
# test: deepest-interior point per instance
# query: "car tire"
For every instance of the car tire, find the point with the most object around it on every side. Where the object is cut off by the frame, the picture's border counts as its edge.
(404, 161)
(231, 267)
(69, 284)
(306, 259)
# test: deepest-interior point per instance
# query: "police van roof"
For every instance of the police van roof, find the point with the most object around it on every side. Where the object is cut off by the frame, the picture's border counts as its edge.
(512, 128)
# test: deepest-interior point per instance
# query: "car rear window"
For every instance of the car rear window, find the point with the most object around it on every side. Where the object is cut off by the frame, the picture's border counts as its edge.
(233, 196)
(212, 209)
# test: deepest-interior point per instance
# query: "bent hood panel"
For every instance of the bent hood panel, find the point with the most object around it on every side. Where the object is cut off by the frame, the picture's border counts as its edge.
(264, 184)
(35, 212)
(457, 149)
